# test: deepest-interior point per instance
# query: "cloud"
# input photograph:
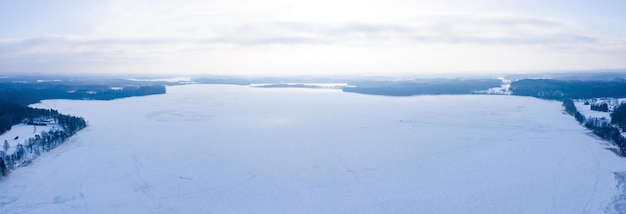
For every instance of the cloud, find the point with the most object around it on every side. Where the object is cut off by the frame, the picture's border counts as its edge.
(453, 37)
(441, 29)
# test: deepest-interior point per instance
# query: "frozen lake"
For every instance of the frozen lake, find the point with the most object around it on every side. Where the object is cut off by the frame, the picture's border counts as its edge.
(236, 149)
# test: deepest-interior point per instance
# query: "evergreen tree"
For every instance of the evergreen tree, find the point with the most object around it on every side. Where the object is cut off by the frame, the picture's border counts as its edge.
(6, 145)
(3, 167)
(618, 116)
(601, 107)
(19, 152)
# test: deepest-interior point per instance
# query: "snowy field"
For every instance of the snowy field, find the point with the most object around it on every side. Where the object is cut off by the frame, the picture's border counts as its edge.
(23, 132)
(586, 111)
(237, 149)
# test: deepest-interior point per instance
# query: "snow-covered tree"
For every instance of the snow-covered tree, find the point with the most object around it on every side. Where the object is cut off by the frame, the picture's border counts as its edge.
(3, 167)
(19, 152)
(6, 145)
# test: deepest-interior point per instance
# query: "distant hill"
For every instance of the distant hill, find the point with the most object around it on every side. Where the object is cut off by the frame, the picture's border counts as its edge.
(563, 89)
(28, 90)
(422, 87)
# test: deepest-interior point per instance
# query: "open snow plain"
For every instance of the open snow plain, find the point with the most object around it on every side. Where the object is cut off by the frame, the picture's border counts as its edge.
(236, 149)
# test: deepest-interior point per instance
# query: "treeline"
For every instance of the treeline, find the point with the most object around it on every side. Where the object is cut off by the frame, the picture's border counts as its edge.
(618, 116)
(609, 131)
(282, 85)
(422, 87)
(29, 93)
(45, 141)
(263, 80)
(11, 114)
(570, 108)
(569, 89)
(603, 107)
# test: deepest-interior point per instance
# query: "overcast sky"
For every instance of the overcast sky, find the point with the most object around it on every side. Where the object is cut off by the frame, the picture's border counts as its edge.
(240, 37)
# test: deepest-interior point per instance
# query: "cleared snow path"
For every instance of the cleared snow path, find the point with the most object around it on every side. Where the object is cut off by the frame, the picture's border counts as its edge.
(234, 149)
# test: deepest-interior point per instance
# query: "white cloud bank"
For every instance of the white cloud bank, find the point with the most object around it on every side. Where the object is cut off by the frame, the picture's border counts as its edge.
(279, 37)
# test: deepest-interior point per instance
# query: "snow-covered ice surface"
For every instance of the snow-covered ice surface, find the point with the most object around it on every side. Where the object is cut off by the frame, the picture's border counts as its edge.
(235, 149)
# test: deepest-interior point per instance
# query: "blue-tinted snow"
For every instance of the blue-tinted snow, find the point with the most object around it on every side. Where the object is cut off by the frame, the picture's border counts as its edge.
(235, 149)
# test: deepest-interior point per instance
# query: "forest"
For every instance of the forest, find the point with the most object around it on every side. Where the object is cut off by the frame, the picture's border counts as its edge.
(11, 114)
(29, 93)
(564, 89)
(422, 87)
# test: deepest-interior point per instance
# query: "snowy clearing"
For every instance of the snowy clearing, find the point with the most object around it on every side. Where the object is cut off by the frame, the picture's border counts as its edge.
(23, 132)
(237, 149)
(586, 111)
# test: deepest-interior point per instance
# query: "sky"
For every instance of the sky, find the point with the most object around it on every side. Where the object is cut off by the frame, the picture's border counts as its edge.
(327, 37)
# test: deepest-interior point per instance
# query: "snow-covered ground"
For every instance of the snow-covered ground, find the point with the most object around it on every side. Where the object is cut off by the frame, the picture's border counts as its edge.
(586, 111)
(237, 149)
(23, 132)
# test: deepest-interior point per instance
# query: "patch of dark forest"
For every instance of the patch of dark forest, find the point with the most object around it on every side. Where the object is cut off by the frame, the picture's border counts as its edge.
(422, 87)
(25, 93)
(569, 89)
